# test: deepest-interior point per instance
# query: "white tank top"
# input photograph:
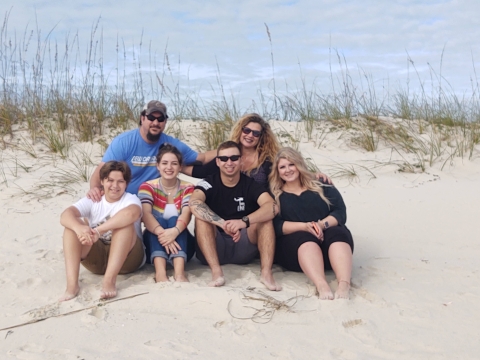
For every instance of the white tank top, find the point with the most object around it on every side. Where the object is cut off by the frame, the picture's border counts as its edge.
(170, 211)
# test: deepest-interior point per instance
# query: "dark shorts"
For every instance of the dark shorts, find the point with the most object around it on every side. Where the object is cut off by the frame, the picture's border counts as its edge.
(229, 252)
(286, 247)
(97, 258)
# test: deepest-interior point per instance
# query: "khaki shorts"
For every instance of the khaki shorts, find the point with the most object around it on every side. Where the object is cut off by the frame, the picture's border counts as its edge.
(97, 258)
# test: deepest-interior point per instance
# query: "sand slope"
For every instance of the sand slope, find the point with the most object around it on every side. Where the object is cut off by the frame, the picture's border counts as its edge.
(415, 293)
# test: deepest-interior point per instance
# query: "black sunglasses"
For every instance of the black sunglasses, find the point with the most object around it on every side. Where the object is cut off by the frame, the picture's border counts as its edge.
(161, 118)
(226, 158)
(247, 131)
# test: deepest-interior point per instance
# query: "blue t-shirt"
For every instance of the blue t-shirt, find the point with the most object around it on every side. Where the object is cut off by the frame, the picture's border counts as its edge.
(142, 156)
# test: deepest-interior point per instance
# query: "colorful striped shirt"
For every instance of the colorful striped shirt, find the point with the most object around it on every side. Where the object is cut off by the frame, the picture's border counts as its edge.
(150, 192)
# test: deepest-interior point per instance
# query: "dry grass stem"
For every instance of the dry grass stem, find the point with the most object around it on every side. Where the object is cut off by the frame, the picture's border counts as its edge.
(270, 305)
(100, 303)
(64, 96)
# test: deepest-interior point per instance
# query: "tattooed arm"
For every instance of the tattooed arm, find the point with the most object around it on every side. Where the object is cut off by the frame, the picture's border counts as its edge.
(267, 211)
(202, 211)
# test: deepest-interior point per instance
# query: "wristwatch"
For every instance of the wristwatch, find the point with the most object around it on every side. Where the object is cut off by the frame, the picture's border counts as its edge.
(326, 225)
(246, 220)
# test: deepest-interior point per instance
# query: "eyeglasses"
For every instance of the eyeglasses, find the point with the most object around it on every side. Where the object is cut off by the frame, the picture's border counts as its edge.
(226, 158)
(247, 131)
(161, 118)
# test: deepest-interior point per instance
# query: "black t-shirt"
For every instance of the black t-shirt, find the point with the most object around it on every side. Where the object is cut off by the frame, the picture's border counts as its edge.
(231, 202)
(260, 174)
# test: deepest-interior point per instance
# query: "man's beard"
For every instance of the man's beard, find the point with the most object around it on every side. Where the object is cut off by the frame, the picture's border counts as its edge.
(153, 138)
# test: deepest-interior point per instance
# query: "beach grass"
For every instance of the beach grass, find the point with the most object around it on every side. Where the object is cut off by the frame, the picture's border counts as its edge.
(62, 93)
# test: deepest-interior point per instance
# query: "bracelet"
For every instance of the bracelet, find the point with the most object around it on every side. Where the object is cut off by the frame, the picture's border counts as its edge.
(184, 223)
(155, 228)
(178, 230)
(96, 230)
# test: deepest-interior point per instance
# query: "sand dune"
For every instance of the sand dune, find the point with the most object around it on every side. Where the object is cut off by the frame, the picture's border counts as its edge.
(415, 280)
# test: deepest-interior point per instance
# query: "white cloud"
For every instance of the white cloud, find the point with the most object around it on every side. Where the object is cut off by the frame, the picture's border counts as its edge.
(373, 35)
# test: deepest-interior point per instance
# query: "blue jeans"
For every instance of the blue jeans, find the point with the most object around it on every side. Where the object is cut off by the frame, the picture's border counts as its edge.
(154, 249)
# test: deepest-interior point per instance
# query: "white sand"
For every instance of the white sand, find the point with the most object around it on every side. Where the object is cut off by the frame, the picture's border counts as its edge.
(415, 280)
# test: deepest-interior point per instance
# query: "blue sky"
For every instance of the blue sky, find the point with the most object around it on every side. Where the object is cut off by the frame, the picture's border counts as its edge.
(374, 37)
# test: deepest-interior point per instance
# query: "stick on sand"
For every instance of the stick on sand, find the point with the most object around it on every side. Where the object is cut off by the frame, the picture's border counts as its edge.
(102, 303)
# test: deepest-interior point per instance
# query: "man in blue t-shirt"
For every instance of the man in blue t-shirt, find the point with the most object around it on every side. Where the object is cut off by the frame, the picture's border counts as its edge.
(139, 147)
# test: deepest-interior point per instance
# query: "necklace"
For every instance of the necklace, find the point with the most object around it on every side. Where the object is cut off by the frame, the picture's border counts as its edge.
(168, 190)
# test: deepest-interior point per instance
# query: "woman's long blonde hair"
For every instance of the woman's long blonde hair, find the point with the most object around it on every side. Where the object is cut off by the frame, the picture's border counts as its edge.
(307, 179)
(268, 144)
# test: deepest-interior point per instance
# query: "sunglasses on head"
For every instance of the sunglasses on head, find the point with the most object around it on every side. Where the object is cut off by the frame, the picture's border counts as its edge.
(226, 158)
(247, 131)
(161, 118)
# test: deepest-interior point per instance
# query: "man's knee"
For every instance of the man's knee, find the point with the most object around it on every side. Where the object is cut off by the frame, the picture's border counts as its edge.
(263, 230)
(123, 230)
(265, 226)
(203, 229)
(126, 233)
(67, 232)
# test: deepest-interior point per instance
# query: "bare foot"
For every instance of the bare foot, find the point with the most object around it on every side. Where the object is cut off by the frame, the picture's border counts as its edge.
(180, 278)
(179, 269)
(109, 291)
(268, 280)
(162, 277)
(70, 294)
(217, 282)
(343, 290)
(324, 292)
(217, 277)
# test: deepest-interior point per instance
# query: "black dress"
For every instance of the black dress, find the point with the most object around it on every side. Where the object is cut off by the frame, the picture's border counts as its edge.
(306, 207)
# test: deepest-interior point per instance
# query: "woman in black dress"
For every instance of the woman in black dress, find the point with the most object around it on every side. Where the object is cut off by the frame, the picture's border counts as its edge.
(310, 227)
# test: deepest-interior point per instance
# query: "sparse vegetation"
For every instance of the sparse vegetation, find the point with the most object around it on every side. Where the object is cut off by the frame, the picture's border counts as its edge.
(59, 97)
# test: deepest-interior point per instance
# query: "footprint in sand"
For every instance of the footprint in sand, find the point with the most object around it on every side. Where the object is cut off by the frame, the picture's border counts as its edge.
(47, 254)
(99, 312)
(33, 348)
(219, 324)
(84, 296)
(352, 323)
(163, 284)
(28, 351)
(34, 240)
(365, 294)
(343, 354)
(364, 331)
(242, 329)
(176, 349)
(30, 283)
(51, 255)
(283, 354)
(44, 311)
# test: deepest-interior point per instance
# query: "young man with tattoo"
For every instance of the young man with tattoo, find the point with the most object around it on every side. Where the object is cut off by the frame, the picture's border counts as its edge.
(233, 216)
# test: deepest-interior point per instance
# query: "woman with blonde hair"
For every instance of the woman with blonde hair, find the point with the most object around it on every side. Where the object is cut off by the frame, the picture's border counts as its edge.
(258, 145)
(310, 227)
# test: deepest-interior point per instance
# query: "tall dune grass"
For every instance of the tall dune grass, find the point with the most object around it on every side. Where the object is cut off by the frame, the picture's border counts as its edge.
(67, 91)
